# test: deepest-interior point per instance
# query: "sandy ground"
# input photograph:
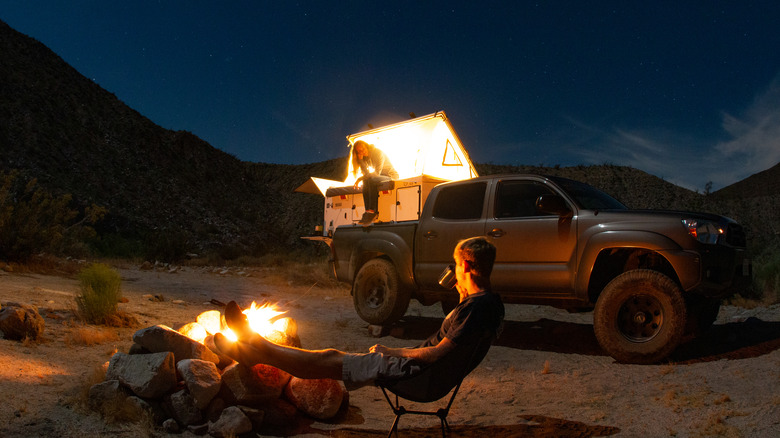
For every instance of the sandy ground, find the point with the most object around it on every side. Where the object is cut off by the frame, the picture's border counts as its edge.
(545, 378)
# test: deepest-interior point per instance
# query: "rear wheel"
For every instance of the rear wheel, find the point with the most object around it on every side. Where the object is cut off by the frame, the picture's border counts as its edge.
(640, 317)
(378, 294)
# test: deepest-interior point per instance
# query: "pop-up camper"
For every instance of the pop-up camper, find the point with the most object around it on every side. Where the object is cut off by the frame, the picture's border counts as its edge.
(425, 151)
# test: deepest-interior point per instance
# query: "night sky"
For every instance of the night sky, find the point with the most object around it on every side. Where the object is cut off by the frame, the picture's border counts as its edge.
(686, 91)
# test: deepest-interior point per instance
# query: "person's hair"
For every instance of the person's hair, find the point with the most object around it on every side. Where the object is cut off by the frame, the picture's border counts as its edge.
(480, 254)
(355, 163)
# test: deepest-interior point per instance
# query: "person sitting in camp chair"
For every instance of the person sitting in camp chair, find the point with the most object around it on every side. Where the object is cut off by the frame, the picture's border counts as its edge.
(479, 311)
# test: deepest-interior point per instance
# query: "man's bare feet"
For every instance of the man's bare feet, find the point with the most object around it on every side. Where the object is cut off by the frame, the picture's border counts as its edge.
(241, 352)
(237, 321)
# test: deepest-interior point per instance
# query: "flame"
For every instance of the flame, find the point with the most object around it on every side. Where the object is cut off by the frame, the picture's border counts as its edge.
(262, 320)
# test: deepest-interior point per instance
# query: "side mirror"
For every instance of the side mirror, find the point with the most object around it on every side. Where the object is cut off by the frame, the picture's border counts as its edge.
(553, 204)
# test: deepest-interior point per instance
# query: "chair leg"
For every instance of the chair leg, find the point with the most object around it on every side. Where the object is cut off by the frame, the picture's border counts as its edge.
(394, 428)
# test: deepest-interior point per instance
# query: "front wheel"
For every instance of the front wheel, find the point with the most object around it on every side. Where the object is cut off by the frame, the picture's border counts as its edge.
(640, 317)
(378, 294)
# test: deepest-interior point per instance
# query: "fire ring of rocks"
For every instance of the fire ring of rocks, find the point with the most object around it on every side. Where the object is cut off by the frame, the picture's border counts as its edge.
(172, 377)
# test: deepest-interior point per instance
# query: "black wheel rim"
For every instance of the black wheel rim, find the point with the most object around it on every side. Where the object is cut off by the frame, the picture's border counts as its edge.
(640, 318)
(375, 296)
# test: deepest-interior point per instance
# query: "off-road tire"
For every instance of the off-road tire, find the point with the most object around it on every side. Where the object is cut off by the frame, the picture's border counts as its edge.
(640, 317)
(378, 294)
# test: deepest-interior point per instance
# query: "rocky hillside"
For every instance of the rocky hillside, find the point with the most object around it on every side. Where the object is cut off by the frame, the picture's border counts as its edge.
(74, 137)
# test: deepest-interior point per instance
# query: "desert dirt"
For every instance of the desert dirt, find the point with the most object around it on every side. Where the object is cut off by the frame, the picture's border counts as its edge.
(545, 377)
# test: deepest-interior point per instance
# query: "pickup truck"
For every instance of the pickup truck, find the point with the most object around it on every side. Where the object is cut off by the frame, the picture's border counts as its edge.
(650, 277)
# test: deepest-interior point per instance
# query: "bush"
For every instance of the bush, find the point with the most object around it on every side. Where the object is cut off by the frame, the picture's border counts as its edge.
(766, 276)
(32, 220)
(100, 293)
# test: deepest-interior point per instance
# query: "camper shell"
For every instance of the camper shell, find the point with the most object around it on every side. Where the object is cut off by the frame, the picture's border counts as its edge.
(425, 151)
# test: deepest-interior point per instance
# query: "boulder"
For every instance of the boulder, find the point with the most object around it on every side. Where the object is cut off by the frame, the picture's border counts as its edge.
(147, 375)
(21, 321)
(269, 380)
(318, 398)
(231, 423)
(182, 407)
(113, 401)
(202, 379)
(211, 320)
(252, 386)
(160, 338)
(194, 331)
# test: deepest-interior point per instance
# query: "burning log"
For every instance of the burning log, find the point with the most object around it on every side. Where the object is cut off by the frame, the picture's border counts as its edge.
(182, 383)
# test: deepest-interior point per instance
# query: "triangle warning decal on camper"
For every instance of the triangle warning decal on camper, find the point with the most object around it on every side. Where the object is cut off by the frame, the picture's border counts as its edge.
(451, 157)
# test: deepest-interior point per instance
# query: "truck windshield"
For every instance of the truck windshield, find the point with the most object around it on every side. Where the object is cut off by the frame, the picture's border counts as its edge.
(588, 197)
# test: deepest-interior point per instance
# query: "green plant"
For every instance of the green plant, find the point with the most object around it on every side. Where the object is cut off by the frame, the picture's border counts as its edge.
(32, 220)
(766, 276)
(100, 293)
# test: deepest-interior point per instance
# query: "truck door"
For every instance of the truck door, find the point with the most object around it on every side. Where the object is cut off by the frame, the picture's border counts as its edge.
(453, 214)
(533, 249)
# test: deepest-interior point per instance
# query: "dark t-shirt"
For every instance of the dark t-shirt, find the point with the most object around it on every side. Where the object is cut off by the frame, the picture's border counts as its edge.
(469, 320)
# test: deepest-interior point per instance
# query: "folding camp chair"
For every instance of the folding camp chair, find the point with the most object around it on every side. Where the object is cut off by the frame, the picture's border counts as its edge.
(435, 381)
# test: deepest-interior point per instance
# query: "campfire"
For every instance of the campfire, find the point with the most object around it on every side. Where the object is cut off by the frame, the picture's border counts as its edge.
(181, 383)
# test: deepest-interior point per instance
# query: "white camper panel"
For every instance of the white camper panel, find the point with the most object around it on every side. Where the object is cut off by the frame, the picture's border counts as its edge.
(425, 151)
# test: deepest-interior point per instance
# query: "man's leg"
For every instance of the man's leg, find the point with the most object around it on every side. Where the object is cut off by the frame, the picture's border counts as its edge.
(252, 349)
(305, 364)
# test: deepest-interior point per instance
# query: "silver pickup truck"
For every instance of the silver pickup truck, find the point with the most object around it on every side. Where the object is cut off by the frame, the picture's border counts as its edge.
(649, 276)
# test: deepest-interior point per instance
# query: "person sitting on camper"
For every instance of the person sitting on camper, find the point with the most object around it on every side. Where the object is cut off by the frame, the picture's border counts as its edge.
(367, 157)
(479, 311)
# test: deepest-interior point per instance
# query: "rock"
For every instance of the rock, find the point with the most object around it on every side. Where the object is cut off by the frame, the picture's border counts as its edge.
(254, 386)
(215, 408)
(269, 379)
(377, 331)
(21, 321)
(199, 429)
(256, 416)
(211, 320)
(202, 379)
(282, 338)
(171, 426)
(113, 401)
(147, 375)
(278, 414)
(232, 422)
(194, 331)
(160, 338)
(182, 407)
(318, 398)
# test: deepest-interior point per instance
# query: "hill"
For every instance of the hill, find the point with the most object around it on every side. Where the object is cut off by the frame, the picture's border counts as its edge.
(164, 187)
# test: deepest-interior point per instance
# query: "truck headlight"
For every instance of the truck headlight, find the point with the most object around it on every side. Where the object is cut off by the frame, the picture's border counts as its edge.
(703, 230)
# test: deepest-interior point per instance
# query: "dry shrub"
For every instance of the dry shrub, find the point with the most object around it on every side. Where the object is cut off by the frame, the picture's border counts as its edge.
(90, 336)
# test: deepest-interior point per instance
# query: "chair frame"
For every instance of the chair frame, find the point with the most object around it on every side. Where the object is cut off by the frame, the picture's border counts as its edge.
(399, 410)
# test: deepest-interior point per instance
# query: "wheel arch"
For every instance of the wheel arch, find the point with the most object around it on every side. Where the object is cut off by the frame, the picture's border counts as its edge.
(612, 253)
(396, 251)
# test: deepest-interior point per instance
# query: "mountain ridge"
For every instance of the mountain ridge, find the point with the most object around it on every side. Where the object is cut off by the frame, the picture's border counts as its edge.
(75, 137)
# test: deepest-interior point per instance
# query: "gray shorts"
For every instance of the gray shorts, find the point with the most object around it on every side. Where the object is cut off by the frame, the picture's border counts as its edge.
(361, 369)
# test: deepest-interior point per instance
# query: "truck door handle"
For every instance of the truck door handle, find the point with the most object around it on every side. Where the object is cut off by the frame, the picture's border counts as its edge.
(431, 235)
(496, 232)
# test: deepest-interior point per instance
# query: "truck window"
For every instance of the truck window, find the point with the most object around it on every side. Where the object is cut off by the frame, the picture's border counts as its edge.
(460, 201)
(518, 199)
